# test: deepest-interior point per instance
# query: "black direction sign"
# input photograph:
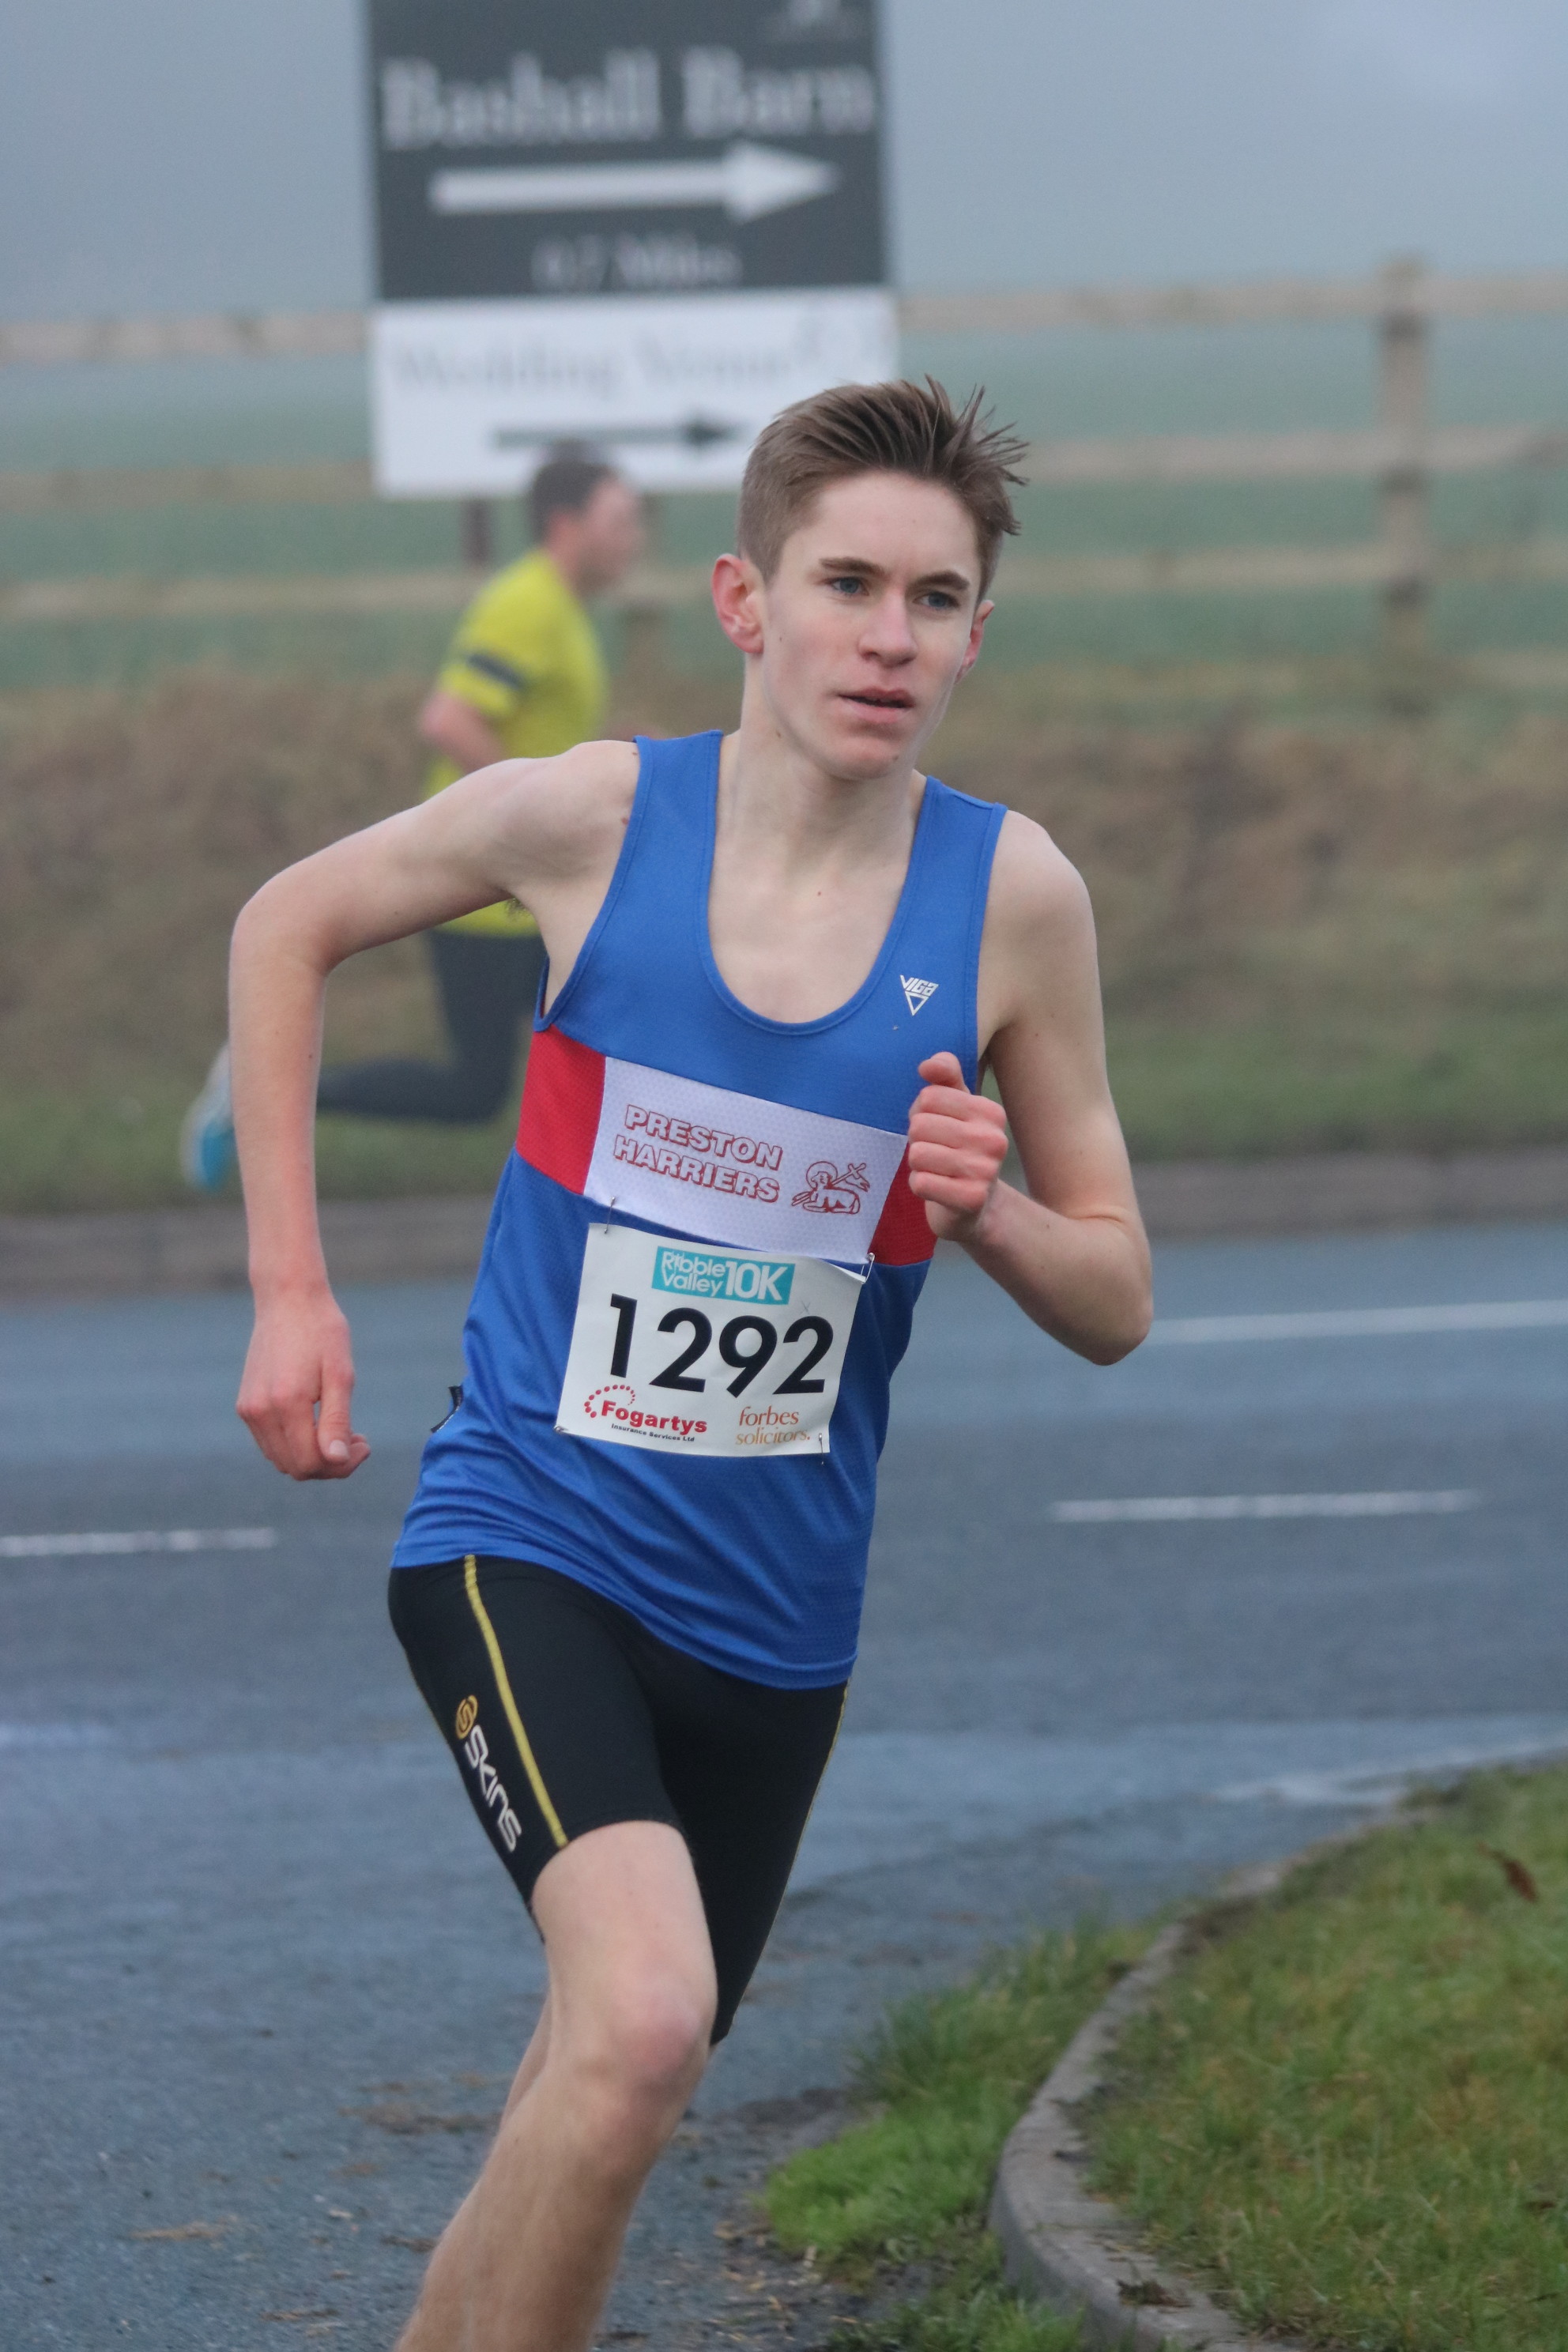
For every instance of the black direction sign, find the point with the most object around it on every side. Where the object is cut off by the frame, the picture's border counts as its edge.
(649, 224)
(625, 147)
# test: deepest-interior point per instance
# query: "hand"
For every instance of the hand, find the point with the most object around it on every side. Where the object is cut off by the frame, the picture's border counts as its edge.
(957, 1144)
(298, 1360)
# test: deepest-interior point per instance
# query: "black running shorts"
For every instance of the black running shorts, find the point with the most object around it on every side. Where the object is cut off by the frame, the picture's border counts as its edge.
(565, 1714)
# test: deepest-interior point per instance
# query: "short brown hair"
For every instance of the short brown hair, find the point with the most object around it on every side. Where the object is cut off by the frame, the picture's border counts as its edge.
(564, 483)
(877, 428)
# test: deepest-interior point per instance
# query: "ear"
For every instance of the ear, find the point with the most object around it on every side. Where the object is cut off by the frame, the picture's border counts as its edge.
(976, 633)
(737, 601)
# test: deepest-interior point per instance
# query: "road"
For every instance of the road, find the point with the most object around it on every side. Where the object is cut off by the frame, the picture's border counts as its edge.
(262, 1983)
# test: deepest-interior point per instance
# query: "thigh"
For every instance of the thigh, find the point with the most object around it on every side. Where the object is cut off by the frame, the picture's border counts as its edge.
(534, 1695)
(631, 1963)
(743, 1763)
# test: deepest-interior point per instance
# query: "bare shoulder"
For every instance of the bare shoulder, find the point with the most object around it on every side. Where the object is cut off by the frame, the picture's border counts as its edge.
(592, 784)
(1037, 960)
(1037, 898)
(558, 813)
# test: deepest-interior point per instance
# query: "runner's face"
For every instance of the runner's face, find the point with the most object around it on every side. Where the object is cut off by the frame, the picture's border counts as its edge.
(870, 620)
(609, 536)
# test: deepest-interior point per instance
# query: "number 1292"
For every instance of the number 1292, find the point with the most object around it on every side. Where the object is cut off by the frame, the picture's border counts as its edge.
(747, 1345)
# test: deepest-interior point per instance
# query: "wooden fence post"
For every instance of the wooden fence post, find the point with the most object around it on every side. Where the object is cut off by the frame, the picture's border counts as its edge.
(477, 526)
(646, 617)
(1403, 335)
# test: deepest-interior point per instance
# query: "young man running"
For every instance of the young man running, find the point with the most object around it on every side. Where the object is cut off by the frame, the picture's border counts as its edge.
(629, 1582)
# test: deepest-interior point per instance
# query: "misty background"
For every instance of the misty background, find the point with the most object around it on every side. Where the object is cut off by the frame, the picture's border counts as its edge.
(166, 155)
(175, 156)
(1316, 933)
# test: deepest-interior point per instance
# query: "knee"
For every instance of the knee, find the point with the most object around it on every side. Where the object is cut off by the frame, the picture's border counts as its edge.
(653, 2040)
(640, 2061)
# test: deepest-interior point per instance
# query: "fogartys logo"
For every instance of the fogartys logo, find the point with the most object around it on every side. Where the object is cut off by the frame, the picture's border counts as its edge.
(616, 1403)
(467, 1716)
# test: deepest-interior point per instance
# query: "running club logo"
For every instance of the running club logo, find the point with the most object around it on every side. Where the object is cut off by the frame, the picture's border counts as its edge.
(467, 1716)
(834, 1191)
(917, 992)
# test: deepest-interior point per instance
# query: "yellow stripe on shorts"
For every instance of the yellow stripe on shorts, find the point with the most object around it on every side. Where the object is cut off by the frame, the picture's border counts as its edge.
(498, 1664)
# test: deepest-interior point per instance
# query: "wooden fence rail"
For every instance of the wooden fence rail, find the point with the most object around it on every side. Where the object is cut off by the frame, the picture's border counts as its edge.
(1175, 457)
(660, 589)
(1403, 453)
(1023, 310)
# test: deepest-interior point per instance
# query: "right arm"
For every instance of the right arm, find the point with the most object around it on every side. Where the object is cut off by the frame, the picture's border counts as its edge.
(451, 726)
(546, 831)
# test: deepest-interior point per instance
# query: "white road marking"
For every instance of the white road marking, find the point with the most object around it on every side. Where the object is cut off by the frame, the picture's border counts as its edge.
(1392, 1506)
(80, 1547)
(1362, 1322)
(66, 1735)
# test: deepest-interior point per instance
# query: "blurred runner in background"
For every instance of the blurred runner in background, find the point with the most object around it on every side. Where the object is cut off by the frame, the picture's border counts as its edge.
(525, 679)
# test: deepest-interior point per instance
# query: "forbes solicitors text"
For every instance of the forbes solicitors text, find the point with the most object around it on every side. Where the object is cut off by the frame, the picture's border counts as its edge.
(707, 1156)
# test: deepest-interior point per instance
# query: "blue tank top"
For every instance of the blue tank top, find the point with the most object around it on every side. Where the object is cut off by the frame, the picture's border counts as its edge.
(731, 1156)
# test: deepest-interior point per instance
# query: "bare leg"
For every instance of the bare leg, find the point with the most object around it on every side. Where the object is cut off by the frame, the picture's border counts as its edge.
(527, 2262)
(534, 2059)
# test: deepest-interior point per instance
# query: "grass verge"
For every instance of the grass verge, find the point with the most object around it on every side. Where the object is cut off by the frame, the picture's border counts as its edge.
(1477, 1081)
(1485, 1078)
(117, 1147)
(906, 2188)
(1349, 2114)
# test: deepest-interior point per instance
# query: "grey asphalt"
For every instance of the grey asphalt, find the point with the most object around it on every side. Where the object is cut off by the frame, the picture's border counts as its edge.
(261, 1982)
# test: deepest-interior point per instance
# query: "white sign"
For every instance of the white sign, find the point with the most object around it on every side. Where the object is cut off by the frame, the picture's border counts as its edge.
(647, 224)
(681, 1347)
(467, 396)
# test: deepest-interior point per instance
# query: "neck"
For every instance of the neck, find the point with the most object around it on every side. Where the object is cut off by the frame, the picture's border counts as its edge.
(794, 812)
(562, 558)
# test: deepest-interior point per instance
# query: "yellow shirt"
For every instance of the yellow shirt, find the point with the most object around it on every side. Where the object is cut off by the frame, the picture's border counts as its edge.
(526, 658)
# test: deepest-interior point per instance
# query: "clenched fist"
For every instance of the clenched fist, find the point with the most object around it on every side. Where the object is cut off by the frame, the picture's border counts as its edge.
(958, 1141)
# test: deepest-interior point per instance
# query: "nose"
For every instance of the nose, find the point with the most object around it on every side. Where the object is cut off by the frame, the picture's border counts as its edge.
(886, 632)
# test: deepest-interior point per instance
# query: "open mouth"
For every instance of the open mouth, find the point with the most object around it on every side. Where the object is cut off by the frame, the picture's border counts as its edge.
(873, 697)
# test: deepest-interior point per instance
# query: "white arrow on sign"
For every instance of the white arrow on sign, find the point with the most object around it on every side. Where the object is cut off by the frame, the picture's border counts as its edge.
(746, 180)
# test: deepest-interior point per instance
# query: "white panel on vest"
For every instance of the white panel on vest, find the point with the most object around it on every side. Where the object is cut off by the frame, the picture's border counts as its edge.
(733, 1167)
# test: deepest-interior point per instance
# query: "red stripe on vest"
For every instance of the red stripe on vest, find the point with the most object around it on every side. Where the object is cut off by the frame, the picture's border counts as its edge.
(903, 1235)
(561, 1097)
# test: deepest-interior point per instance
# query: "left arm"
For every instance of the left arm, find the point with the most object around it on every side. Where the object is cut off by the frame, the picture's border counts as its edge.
(1072, 1250)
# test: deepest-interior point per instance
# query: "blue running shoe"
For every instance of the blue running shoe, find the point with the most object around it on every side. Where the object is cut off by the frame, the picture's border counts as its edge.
(206, 1136)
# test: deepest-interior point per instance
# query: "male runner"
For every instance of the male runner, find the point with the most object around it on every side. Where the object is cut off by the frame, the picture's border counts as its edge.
(629, 1582)
(524, 677)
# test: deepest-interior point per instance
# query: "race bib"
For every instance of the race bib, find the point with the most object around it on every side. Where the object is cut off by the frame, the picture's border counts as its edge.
(680, 1347)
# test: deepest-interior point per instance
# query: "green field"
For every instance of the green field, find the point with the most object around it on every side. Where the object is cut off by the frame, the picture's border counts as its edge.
(180, 542)
(1065, 384)
(1317, 932)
